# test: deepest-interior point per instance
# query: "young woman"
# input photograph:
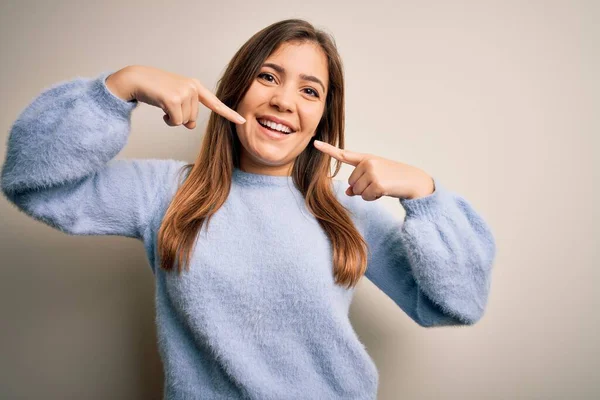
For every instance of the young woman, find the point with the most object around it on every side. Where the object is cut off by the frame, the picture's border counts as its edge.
(255, 249)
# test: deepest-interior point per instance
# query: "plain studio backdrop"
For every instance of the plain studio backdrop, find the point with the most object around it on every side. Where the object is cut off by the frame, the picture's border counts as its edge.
(497, 100)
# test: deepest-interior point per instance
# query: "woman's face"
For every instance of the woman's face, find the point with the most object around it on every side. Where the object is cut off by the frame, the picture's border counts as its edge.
(287, 90)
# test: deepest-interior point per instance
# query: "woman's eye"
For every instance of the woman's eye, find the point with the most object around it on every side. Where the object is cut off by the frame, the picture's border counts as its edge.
(316, 94)
(265, 75)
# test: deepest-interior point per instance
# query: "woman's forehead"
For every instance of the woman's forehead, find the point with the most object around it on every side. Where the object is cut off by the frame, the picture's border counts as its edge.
(301, 59)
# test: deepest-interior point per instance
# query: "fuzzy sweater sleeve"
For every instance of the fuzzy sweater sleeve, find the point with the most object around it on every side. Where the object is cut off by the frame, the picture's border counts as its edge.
(437, 263)
(59, 166)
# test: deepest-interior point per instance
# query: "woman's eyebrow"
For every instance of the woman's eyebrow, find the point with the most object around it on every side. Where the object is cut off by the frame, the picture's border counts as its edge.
(281, 70)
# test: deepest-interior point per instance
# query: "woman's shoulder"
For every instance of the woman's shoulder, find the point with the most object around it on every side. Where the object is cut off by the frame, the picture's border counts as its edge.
(173, 172)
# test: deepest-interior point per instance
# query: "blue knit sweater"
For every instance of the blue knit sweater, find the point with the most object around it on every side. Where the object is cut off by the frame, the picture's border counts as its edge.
(258, 315)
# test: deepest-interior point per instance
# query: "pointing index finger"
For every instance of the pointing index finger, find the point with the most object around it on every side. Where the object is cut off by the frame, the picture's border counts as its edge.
(343, 155)
(211, 101)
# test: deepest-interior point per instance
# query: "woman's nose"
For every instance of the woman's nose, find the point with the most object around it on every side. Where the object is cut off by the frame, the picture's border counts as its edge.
(283, 100)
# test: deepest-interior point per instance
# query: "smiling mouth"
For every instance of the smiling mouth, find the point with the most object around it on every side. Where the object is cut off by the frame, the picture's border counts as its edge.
(274, 130)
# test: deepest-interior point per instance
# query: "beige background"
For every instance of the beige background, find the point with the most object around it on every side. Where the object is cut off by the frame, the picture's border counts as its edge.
(497, 100)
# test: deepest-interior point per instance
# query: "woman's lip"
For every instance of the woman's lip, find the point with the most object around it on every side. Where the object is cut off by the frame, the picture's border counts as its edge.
(271, 134)
(277, 121)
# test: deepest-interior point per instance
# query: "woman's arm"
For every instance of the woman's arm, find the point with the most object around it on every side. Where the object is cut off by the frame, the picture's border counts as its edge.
(60, 167)
(437, 263)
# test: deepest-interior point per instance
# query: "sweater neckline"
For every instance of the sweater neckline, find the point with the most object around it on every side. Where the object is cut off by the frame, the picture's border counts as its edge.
(252, 179)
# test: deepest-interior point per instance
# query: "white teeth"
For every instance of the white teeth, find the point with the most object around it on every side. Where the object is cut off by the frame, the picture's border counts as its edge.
(273, 125)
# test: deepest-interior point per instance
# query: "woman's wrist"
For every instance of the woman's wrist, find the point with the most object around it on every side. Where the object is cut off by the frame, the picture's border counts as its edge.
(121, 83)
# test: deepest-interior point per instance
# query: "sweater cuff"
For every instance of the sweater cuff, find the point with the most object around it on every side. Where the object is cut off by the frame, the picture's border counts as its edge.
(430, 206)
(107, 100)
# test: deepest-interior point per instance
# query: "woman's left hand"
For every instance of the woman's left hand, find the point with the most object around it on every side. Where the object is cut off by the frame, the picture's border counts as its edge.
(375, 176)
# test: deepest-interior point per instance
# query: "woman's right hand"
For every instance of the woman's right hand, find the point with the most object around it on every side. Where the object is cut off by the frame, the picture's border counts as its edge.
(176, 95)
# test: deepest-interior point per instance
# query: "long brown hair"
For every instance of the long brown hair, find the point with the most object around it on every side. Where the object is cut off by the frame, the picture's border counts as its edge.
(208, 183)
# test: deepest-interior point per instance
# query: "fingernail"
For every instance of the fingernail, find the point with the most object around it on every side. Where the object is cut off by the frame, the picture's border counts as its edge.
(242, 120)
(318, 142)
